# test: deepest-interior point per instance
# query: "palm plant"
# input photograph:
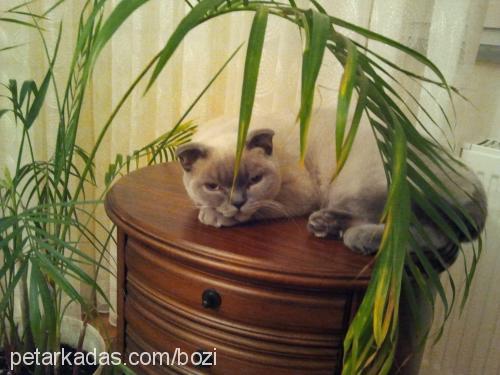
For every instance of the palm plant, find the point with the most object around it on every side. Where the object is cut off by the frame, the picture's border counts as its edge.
(372, 90)
(368, 88)
(45, 212)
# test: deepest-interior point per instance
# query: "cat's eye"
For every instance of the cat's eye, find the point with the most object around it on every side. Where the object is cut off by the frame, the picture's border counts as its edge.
(255, 179)
(211, 186)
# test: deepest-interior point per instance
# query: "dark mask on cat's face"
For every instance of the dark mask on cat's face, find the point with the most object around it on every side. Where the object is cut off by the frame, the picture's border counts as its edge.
(208, 176)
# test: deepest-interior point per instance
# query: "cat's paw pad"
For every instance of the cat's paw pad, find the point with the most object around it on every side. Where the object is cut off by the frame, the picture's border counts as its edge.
(363, 239)
(325, 223)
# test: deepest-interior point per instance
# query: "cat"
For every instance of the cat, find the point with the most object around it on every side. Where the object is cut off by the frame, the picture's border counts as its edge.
(271, 182)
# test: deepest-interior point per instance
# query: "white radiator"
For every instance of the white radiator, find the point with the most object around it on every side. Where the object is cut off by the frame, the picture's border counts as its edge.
(470, 344)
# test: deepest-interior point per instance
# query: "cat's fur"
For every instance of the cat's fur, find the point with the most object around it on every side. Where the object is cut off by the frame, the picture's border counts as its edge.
(272, 183)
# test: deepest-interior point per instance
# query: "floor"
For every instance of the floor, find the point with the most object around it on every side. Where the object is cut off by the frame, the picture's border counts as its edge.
(108, 332)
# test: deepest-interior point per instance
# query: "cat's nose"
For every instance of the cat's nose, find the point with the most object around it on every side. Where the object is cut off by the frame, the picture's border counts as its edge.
(238, 199)
(238, 204)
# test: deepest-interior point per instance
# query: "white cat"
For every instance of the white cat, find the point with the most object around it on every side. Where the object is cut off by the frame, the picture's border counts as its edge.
(272, 183)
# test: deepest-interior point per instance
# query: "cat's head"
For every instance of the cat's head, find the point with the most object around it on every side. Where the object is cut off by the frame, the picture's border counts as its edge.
(208, 175)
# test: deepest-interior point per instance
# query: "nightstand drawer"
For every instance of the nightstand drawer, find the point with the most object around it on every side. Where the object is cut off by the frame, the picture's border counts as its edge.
(233, 302)
(165, 329)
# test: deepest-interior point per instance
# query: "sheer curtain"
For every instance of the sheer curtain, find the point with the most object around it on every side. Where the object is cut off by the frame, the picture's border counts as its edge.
(445, 30)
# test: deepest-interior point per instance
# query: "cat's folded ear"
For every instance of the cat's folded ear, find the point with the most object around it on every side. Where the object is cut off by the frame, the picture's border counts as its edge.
(189, 153)
(262, 138)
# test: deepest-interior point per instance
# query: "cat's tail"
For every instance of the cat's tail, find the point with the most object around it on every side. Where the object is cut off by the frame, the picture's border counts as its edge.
(440, 250)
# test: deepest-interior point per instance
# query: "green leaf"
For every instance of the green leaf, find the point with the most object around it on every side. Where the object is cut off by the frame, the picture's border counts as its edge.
(27, 87)
(250, 76)
(38, 102)
(4, 241)
(117, 17)
(318, 6)
(40, 289)
(8, 294)
(35, 315)
(12, 258)
(347, 84)
(181, 129)
(57, 276)
(390, 42)
(29, 14)
(19, 22)
(397, 232)
(18, 6)
(11, 47)
(69, 264)
(53, 7)
(190, 21)
(433, 277)
(86, 159)
(318, 30)
(368, 65)
(358, 113)
(380, 305)
(3, 112)
(470, 275)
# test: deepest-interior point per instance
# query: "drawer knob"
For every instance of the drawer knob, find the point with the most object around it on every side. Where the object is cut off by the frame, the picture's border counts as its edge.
(210, 299)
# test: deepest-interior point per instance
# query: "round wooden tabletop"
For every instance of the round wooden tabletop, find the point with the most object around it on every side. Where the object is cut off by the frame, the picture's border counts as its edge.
(151, 205)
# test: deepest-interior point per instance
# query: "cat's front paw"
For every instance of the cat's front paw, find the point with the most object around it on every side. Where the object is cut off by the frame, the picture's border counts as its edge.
(212, 217)
(209, 216)
(326, 222)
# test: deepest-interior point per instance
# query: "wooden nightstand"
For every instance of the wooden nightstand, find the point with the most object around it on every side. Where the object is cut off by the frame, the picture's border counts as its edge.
(268, 296)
